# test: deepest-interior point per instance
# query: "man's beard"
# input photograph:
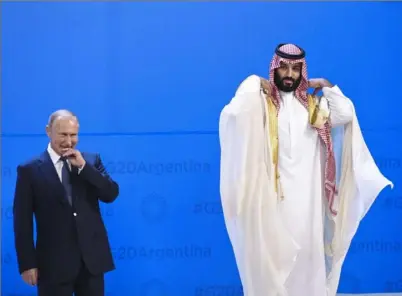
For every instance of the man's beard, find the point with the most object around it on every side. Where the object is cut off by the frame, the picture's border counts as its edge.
(282, 86)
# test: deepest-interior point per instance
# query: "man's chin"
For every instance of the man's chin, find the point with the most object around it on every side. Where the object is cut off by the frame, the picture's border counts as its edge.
(286, 89)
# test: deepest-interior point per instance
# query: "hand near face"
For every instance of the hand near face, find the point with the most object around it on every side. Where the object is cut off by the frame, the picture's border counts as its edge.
(75, 158)
(266, 86)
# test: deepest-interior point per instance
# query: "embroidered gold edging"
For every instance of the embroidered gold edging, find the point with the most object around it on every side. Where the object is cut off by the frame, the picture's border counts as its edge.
(317, 117)
(314, 114)
(312, 110)
(274, 139)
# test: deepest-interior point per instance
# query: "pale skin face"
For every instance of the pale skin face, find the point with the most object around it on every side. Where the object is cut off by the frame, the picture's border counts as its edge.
(63, 134)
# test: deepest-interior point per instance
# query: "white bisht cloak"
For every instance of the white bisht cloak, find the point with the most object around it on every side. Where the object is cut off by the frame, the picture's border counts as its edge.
(265, 252)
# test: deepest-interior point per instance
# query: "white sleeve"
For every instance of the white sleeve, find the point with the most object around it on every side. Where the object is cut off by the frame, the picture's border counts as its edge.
(341, 107)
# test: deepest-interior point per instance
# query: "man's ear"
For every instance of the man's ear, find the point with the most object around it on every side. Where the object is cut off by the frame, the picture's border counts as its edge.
(48, 130)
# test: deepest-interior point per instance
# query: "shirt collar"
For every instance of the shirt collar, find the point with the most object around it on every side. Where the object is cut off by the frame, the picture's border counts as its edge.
(286, 96)
(53, 155)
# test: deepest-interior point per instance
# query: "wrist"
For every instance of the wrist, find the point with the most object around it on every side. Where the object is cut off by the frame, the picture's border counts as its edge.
(328, 84)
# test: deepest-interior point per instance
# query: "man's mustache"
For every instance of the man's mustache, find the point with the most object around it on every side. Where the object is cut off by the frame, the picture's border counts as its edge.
(288, 78)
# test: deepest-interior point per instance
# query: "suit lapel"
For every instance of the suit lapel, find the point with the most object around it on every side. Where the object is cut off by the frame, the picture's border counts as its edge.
(49, 171)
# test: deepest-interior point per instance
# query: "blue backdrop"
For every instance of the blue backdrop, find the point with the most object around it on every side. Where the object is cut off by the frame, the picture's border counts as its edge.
(148, 81)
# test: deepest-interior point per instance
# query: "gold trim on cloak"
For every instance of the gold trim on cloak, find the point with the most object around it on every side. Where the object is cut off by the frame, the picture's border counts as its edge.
(317, 118)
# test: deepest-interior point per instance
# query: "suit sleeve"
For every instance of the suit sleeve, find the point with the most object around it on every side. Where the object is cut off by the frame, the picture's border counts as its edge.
(96, 174)
(23, 209)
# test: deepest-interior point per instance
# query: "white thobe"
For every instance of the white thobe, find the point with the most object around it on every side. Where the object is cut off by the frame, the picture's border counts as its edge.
(278, 244)
(301, 167)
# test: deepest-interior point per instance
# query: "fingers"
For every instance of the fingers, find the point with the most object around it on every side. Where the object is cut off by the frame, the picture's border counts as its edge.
(69, 152)
(31, 280)
(34, 277)
(266, 87)
(316, 90)
(314, 83)
(27, 279)
(30, 277)
(267, 90)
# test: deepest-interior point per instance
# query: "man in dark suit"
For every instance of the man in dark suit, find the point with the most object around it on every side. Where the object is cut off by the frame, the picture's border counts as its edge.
(62, 189)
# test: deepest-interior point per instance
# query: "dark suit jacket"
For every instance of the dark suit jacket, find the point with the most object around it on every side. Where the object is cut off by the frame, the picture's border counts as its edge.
(66, 235)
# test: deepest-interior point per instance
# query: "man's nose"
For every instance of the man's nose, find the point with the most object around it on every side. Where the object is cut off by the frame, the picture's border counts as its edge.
(68, 140)
(289, 73)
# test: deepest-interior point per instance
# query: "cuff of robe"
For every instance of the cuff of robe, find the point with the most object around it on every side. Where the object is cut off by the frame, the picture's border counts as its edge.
(327, 91)
(250, 85)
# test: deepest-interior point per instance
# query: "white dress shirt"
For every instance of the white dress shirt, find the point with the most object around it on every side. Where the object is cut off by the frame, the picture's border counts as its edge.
(58, 163)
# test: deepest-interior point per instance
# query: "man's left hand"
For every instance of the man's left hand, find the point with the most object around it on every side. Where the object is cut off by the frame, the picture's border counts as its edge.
(75, 158)
(318, 84)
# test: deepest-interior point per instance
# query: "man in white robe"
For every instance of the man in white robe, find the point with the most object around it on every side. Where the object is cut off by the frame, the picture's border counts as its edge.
(289, 221)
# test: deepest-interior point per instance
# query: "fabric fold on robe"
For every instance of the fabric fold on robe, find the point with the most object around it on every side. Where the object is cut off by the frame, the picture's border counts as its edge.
(264, 250)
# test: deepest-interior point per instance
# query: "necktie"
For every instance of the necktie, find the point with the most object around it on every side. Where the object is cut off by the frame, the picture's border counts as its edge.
(65, 180)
